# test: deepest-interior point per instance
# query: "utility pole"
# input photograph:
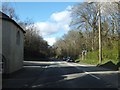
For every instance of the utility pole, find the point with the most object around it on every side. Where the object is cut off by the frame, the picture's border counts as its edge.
(119, 32)
(100, 38)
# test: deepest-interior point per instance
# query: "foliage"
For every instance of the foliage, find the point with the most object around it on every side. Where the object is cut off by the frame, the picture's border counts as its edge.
(70, 42)
(108, 55)
(35, 46)
(84, 33)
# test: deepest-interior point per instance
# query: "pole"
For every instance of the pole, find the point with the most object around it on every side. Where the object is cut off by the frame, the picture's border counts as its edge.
(100, 40)
(119, 31)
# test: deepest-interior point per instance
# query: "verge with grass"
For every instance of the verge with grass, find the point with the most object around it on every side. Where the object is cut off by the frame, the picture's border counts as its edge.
(109, 55)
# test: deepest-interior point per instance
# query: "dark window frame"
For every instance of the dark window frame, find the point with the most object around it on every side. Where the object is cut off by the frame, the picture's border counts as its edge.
(18, 38)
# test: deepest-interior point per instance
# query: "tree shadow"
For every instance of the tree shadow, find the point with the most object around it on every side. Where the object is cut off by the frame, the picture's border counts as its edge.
(53, 76)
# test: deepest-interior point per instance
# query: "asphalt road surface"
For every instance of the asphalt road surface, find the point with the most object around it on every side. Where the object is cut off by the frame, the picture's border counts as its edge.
(61, 74)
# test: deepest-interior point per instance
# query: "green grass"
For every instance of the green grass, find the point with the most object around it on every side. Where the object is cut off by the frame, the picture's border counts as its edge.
(108, 54)
(89, 61)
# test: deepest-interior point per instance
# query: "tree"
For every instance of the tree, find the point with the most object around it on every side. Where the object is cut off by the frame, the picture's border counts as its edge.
(86, 14)
(70, 45)
(35, 46)
(85, 17)
(10, 11)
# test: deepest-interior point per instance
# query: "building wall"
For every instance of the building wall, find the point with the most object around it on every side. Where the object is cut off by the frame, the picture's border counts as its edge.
(0, 36)
(0, 40)
(12, 51)
(6, 44)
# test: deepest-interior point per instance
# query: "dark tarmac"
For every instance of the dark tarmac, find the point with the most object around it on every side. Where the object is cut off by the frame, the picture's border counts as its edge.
(61, 74)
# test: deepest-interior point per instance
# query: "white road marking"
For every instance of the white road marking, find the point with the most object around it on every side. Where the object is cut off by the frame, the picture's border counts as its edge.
(92, 75)
(73, 76)
(89, 73)
(32, 66)
(96, 72)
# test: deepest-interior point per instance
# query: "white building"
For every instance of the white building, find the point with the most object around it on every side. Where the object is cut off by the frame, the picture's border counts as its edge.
(12, 44)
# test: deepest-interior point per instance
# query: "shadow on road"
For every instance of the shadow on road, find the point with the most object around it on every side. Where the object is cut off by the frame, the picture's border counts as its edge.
(52, 75)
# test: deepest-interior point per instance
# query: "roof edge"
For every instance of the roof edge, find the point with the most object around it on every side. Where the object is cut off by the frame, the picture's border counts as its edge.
(8, 18)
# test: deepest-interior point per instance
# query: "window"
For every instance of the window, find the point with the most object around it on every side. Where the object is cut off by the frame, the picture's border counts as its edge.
(18, 38)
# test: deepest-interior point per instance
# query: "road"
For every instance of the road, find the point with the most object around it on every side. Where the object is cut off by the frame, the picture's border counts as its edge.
(61, 74)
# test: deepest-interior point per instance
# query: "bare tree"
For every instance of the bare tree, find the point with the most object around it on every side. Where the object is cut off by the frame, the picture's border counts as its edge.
(10, 11)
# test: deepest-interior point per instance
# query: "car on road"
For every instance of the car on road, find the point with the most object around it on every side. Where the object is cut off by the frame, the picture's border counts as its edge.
(69, 59)
(64, 59)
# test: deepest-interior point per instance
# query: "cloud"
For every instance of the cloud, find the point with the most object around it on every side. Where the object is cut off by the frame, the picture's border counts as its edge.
(51, 40)
(66, 27)
(69, 8)
(58, 22)
(46, 28)
(63, 16)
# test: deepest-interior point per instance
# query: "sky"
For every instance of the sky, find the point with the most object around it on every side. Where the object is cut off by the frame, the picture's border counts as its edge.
(52, 19)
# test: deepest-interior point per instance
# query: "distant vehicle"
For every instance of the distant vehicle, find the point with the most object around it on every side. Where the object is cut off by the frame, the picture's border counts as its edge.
(69, 59)
(64, 59)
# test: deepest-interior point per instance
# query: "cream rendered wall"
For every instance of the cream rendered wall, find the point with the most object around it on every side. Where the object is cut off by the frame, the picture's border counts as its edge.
(0, 36)
(12, 52)
(0, 54)
(6, 43)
